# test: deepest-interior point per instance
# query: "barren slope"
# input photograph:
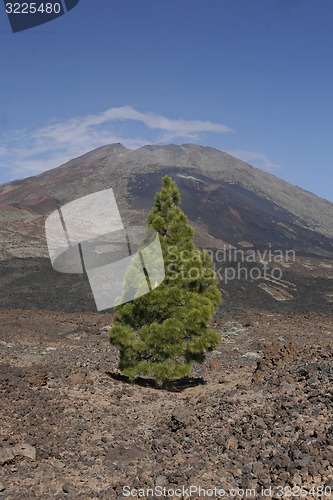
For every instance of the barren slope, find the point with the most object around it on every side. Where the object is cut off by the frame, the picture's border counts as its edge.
(227, 200)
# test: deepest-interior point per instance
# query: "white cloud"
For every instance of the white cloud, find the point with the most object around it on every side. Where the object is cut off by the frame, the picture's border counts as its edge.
(26, 153)
(256, 159)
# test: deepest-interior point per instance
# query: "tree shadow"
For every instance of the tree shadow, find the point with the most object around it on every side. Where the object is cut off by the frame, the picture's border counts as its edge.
(178, 385)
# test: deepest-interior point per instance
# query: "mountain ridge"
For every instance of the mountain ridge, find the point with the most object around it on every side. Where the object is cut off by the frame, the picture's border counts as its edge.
(226, 200)
(228, 205)
(315, 212)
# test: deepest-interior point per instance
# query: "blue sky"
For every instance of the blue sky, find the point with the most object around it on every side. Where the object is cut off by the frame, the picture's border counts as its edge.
(250, 77)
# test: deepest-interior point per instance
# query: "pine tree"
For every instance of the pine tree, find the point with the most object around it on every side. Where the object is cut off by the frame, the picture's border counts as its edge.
(161, 333)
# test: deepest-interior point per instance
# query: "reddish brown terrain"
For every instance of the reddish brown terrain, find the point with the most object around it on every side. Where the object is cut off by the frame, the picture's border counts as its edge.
(257, 413)
(254, 420)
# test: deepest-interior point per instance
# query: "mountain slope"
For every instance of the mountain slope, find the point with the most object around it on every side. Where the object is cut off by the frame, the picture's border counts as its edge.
(227, 200)
(229, 204)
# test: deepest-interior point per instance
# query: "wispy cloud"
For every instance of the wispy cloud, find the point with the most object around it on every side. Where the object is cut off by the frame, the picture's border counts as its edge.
(255, 159)
(25, 152)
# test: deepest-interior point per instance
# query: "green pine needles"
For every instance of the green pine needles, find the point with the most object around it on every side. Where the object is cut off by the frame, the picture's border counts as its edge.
(161, 333)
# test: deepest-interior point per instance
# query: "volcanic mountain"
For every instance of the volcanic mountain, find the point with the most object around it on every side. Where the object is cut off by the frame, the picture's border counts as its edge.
(228, 198)
(254, 417)
(229, 204)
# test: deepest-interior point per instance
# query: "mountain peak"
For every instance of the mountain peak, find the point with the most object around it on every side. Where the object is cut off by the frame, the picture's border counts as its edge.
(230, 201)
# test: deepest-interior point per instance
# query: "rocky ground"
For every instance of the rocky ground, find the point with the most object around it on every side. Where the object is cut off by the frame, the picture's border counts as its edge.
(255, 420)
